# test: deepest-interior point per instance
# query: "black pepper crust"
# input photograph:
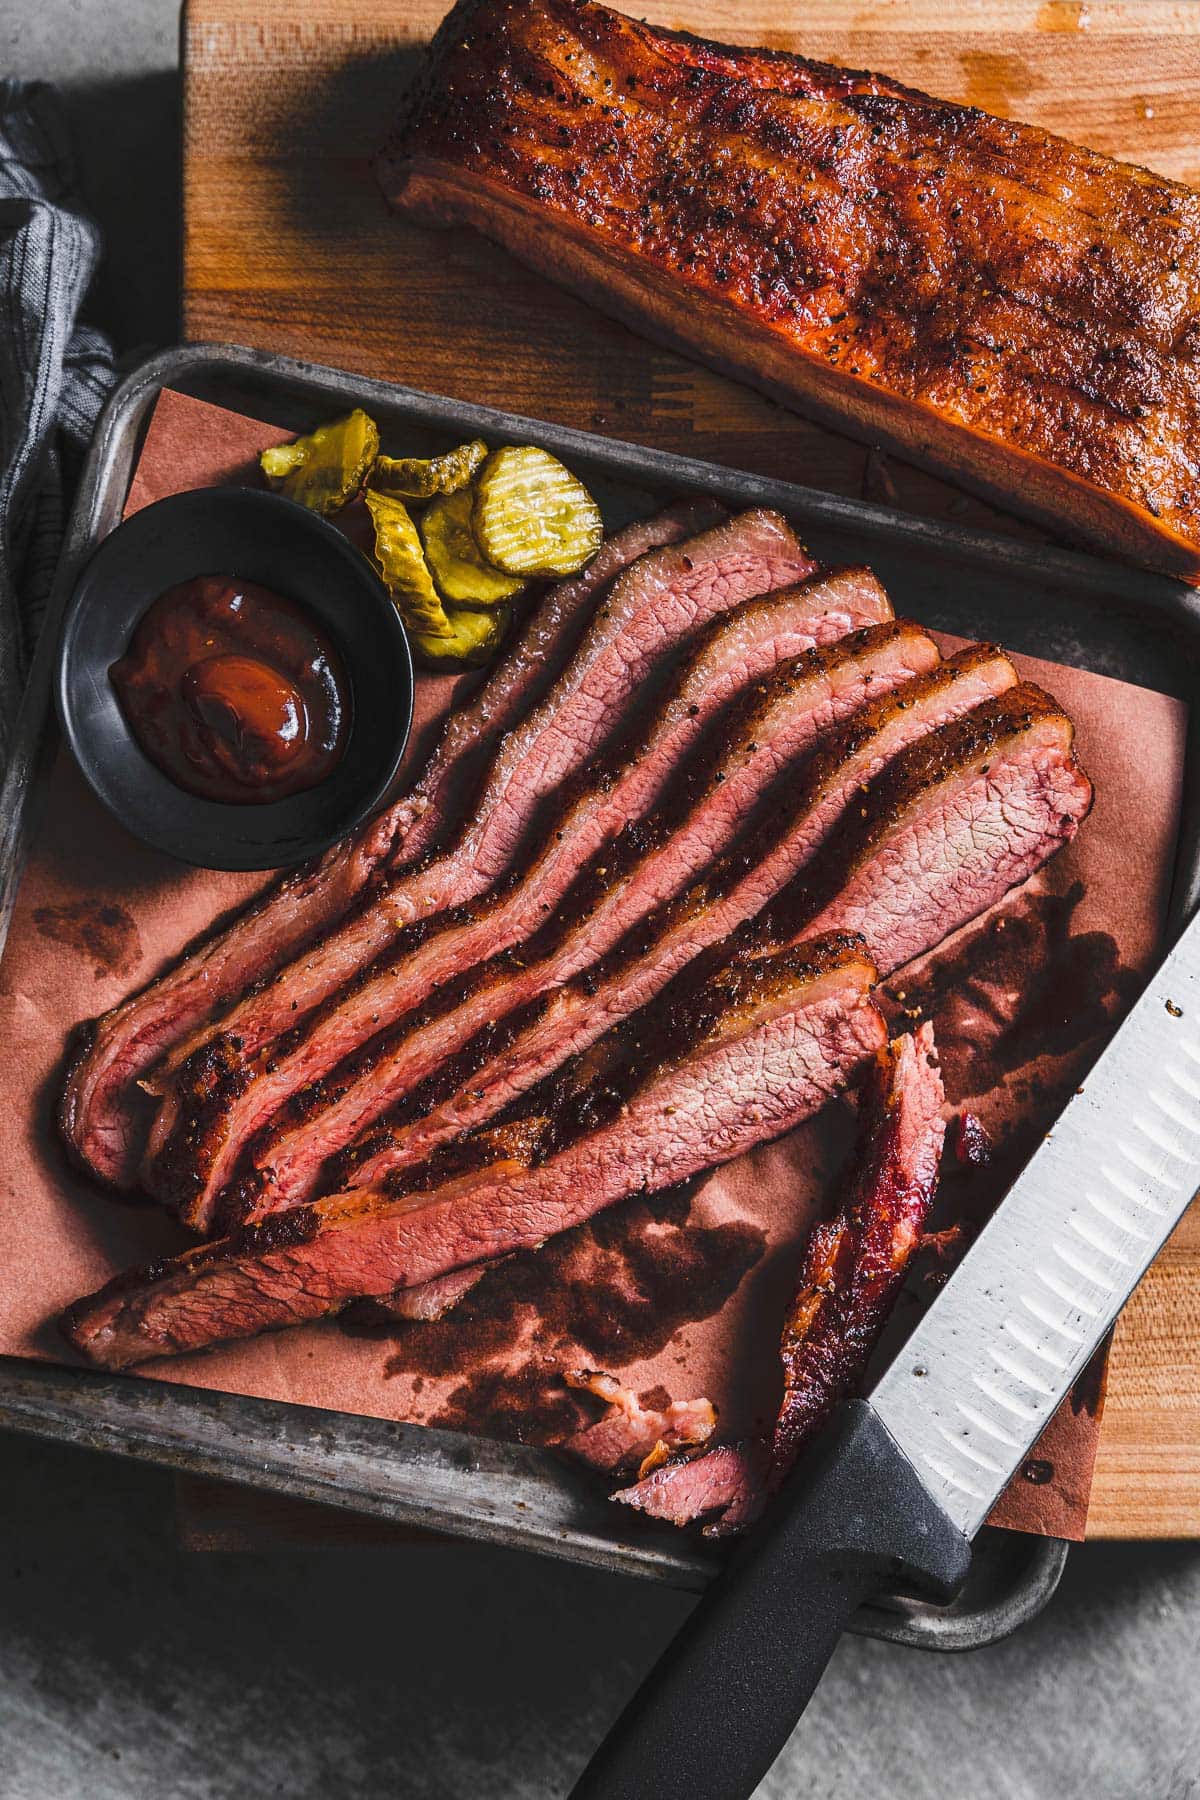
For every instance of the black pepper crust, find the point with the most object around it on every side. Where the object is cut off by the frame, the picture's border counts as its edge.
(960, 747)
(700, 1008)
(1021, 292)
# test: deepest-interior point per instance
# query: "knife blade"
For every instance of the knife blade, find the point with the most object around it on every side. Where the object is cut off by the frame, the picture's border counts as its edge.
(898, 1484)
(1017, 1323)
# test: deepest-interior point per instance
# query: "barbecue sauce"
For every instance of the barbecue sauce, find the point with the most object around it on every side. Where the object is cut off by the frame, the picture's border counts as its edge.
(234, 692)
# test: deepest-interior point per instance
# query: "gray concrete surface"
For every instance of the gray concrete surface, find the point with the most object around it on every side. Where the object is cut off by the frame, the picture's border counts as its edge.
(129, 1671)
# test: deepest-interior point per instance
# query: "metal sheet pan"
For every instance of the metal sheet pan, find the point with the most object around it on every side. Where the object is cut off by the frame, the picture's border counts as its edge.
(1053, 603)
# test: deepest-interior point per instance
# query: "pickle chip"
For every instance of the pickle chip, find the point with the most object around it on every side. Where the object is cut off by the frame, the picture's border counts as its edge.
(438, 633)
(405, 572)
(325, 469)
(532, 516)
(421, 477)
(474, 636)
(458, 566)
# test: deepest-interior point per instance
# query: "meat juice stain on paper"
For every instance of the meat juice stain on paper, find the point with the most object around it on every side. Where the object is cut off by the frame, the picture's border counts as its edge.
(98, 930)
(610, 1293)
(1020, 986)
(1016, 992)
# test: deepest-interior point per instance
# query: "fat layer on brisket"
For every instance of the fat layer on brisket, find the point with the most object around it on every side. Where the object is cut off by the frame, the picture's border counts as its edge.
(629, 1434)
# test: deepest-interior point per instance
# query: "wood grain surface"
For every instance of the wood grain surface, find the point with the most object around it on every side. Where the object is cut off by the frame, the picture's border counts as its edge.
(288, 246)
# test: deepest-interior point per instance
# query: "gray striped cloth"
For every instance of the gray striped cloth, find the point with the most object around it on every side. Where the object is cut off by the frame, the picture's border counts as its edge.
(55, 372)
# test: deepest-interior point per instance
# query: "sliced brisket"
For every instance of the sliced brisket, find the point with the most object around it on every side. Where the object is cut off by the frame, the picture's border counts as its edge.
(756, 1049)
(651, 615)
(630, 1435)
(525, 1046)
(725, 1485)
(647, 866)
(522, 680)
(96, 1117)
(855, 1262)
(944, 832)
(854, 1266)
(220, 1098)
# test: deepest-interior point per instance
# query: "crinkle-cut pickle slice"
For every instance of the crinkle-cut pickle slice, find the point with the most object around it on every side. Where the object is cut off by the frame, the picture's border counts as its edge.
(327, 468)
(532, 516)
(475, 635)
(421, 477)
(402, 563)
(438, 633)
(458, 566)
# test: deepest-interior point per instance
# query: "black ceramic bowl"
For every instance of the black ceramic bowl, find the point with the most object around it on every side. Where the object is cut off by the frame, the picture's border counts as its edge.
(259, 537)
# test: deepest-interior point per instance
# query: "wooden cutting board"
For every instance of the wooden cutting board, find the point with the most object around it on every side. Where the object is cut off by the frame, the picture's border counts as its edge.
(288, 246)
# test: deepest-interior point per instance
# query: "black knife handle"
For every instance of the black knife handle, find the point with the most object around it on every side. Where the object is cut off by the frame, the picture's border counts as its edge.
(717, 1708)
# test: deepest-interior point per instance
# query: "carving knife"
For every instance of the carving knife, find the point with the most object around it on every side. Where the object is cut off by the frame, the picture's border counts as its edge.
(897, 1485)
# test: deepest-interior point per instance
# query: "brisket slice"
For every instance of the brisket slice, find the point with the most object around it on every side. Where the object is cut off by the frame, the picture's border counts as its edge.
(630, 1435)
(221, 1097)
(95, 1116)
(758, 1047)
(648, 865)
(522, 679)
(525, 1046)
(428, 1301)
(652, 613)
(944, 832)
(724, 1486)
(1018, 314)
(855, 1262)
(853, 1268)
